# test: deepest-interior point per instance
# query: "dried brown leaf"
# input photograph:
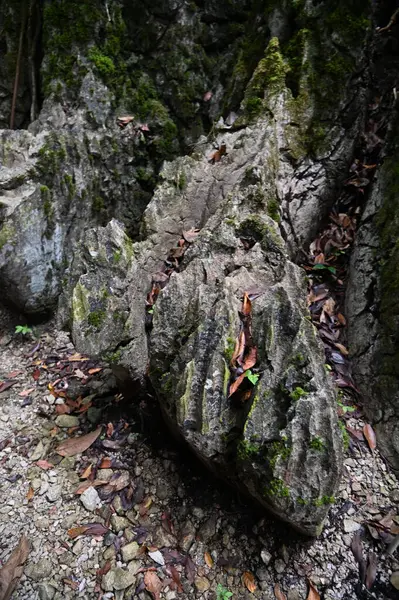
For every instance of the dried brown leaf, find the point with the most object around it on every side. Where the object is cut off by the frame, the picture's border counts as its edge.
(249, 581)
(279, 594)
(86, 484)
(342, 349)
(30, 494)
(44, 464)
(246, 305)
(78, 444)
(4, 385)
(250, 359)
(190, 235)
(153, 584)
(87, 472)
(371, 570)
(12, 570)
(313, 593)
(236, 384)
(370, 436)
(208, 559)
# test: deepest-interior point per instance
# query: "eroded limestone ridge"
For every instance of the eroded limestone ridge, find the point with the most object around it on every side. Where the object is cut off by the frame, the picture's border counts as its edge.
(90, 211)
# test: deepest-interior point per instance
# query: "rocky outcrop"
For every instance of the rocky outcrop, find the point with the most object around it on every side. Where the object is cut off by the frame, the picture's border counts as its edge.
(256, 187)
(373, 307)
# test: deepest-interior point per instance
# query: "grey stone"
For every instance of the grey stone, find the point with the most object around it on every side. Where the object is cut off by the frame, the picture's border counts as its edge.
(129, 552)
(202, 584)
(67, 421)
(54, 492)
(90, 499)
(46, 591)
(350, 526)
(395, 580)
(40, 570)
(266, 557)
(119, 523)
(120, 579)
(279, 565)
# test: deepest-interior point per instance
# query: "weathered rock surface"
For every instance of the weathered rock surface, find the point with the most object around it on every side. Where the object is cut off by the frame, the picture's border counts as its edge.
(287, 147)
(373, 305)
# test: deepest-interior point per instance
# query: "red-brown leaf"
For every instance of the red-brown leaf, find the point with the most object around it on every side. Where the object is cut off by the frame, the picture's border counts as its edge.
(86, 484)
(370, 436)
(36, 374)
(4, 385)
(239, 349)
(246, 305)
(44, 464)
(250, 358)
(249, 581)
(78, 444)
(12, 570)
(236, 384)
(313, 593)
(278, 593)
(153, 584)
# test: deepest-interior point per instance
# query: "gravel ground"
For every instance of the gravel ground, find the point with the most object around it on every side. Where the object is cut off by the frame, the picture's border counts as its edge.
(169, 530)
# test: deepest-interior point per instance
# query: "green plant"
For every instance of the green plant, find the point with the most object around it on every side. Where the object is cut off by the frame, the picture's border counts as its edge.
(222, 593)
(23, 329)
(253, 377)
(317, 444)
(345, 408)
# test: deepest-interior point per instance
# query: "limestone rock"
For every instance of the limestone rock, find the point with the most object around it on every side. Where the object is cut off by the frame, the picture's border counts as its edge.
(67, 421)
(90, 499)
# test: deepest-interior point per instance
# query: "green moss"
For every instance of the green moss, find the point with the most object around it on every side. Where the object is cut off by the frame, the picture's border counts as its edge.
(297, 393)
(301, 501)
(7, 232)
(317, 443)
(113, 357)
(344, 434)
(273, 209)
(181, 181)
(103, 63)
(247, 450)
(71, 187)
(255, 228)
(278, 450)
(98, 204)
(324, 501)
(80, 303)
(278, 489)
(267, 80)
(117, 255)
(229, 349)
(96, 318)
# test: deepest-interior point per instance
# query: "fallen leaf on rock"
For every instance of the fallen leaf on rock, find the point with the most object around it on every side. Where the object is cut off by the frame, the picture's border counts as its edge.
(62, 409)
(72, 584)
(78, 444)
(106, 463)
(13, 374)
(87, 472)
(207, 96)
(44, 464)
(157, 557)
(250, 359)
(175, 576)
(278, 593)
(153, 584)
(371, 570)
(190, 235)
(86, 484)
(12, 570)
(125, 120)
(95, 370)
(25, 393)
(249, 581)
(36, 374)
(190, 569)
(30, 494)
(77, 358)
(110, 430)
(342, 349)
(103, 570)
(236, 384)
(89, 529)
(144, 506)
(313, 593)
(78, 373)
(208, 559)
(370, 436)
(4, 385)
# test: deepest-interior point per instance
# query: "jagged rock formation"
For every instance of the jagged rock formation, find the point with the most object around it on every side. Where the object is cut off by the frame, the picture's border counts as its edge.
(95, 200)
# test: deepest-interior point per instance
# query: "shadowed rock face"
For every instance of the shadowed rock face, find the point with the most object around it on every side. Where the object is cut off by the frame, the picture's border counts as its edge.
(373, 306)
(77, 187)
